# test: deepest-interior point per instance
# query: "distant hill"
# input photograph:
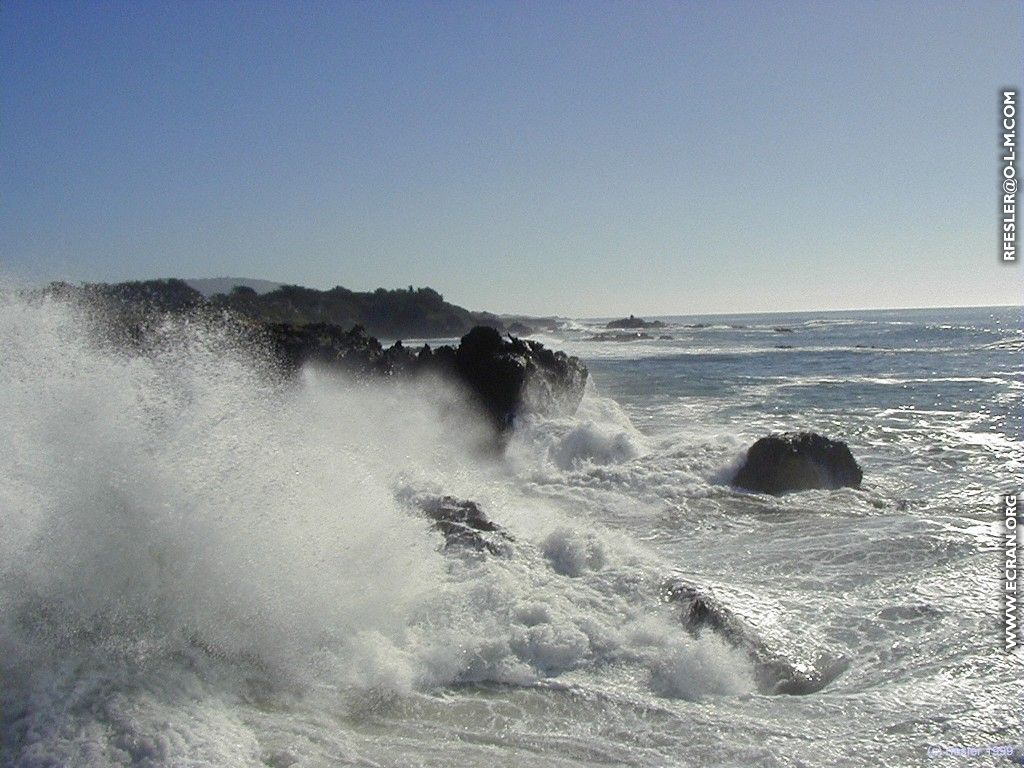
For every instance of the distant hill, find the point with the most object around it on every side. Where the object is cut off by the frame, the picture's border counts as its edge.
(386, 314)
(209, 286)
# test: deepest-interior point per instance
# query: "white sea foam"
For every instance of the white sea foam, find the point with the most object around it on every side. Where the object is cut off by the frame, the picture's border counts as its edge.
(600, 433)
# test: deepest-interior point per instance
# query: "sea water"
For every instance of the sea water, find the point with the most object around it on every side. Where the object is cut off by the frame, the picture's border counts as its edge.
(203, 564)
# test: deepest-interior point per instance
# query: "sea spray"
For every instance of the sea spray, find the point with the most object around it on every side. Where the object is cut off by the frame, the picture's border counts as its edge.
(188, 536)
(182, 497)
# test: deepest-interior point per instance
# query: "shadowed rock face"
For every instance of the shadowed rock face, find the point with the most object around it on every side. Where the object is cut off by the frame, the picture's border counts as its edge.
(513, 376)
(329, 345)
(798, 461)
(508, 376)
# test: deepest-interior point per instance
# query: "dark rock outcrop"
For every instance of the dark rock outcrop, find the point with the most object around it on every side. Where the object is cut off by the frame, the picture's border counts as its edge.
(464, 525)
(329, 345)
(798, 461)
(507, 376)
(635, 322)
(514, 376)
(774, 673)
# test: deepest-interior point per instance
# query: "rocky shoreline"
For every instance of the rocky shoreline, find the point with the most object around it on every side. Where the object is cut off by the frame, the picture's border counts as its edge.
(507, 376)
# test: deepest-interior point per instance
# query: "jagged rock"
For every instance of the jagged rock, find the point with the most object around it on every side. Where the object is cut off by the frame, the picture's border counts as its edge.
(320, 343)
(798, 461)
(514, 376)
(464, 525)
(508, 377)
(635, 322)
(774, 673)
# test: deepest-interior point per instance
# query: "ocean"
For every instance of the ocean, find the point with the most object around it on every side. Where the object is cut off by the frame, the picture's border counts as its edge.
(203, 564)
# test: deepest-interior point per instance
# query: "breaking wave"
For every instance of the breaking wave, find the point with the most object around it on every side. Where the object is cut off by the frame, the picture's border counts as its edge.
(188, 537)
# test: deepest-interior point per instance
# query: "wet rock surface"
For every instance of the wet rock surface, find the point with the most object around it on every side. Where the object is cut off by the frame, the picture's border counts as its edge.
(774, 673)
(798, 461)
(464, 525)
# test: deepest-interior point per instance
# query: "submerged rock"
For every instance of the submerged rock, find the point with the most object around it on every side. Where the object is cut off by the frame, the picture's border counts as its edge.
(774, 673)
(798, 461)
(464, 525)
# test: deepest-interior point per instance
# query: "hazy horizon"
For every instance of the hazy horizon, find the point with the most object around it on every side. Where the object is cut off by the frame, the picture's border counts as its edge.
(519, 158)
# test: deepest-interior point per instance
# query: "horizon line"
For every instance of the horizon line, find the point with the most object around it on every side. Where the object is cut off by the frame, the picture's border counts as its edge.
(656, 315)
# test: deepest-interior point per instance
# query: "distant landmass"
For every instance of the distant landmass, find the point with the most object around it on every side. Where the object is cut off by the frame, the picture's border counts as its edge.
(402, 313)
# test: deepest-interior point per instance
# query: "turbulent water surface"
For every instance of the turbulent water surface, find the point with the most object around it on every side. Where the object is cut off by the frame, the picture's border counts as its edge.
(204, 565)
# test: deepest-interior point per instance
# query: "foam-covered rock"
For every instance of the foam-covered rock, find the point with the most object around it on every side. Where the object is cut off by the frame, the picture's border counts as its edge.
(464, 525)
(774, 672)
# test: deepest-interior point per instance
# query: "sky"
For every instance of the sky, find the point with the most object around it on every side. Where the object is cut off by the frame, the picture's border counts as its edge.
(582, 158)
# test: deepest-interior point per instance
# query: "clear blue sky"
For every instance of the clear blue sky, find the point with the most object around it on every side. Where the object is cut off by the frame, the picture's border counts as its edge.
(582, 158)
